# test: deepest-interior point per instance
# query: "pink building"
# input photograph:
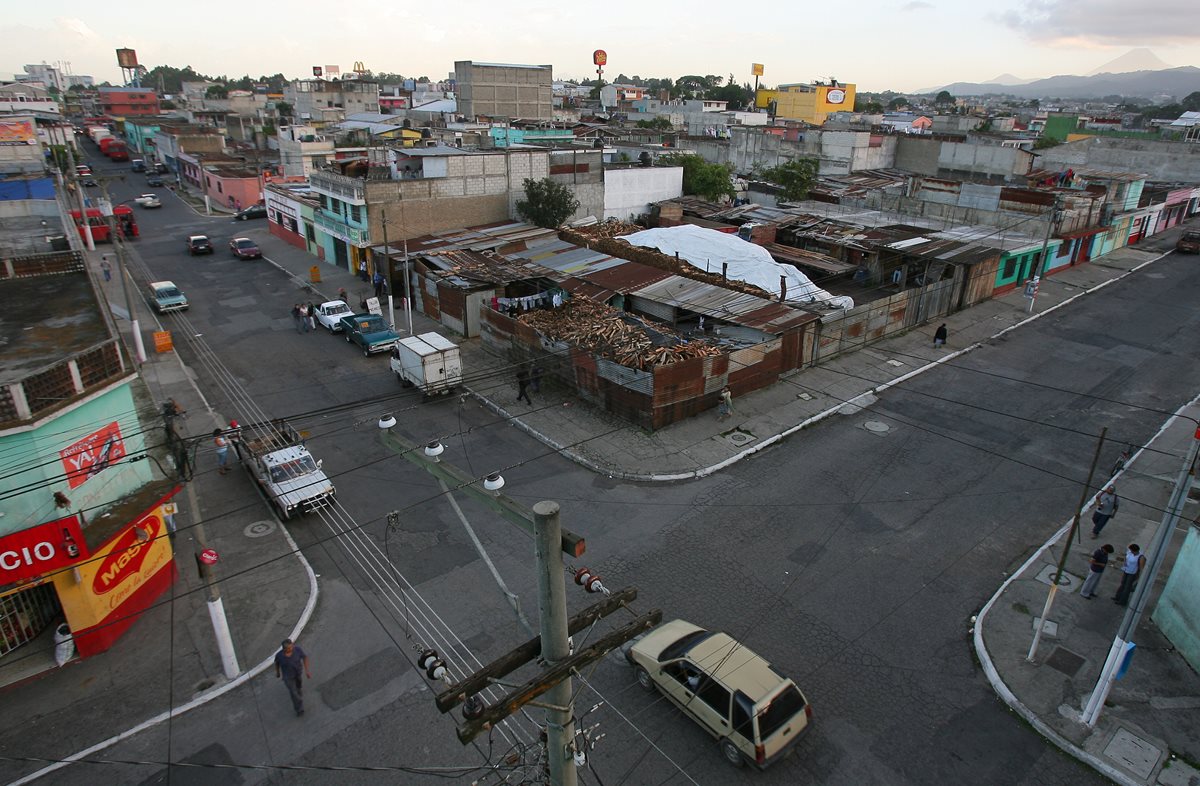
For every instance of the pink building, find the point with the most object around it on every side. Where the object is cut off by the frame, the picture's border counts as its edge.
(232, 187)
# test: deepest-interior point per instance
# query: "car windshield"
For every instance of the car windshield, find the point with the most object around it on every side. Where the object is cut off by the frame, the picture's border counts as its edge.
(681, 645)
(373, 325)
(340, 308)
(290, 470)
(245, 243)
(199, 241)
(1191, 237)
(782, 709)
(166, 292)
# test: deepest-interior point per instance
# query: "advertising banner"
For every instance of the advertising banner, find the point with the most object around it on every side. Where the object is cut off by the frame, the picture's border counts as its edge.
(93, 454)
(17, 132)
(40, 550)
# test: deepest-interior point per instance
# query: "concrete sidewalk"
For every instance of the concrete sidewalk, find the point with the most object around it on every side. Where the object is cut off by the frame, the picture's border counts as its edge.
(1149, 728)
(168, 658)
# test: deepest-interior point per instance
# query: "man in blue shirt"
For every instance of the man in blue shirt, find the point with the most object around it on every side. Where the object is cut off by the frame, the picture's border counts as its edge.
(288, 663)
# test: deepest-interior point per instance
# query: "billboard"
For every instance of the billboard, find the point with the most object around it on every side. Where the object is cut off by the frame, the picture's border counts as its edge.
(127, 58)
(92, 455)
(756, 69)
(317, 70)
(600, 57)
(332, 70)
(17, 132)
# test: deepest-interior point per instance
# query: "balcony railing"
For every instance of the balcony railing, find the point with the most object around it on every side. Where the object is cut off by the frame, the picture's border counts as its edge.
(338, 229)
(347, 189)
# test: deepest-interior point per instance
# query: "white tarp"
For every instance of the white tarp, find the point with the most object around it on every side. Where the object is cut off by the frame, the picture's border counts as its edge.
(707, 249)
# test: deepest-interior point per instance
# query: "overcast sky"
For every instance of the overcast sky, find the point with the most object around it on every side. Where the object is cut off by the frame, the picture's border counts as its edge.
(877, 44)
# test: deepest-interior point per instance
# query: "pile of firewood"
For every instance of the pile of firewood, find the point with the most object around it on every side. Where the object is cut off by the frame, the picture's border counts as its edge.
(602, 330)
(607, 229)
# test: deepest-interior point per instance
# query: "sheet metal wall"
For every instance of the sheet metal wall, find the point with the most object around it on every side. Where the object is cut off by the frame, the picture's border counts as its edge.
(847, 331)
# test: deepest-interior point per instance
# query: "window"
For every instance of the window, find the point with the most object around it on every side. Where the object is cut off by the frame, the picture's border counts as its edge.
(1010, 268)
(355, 213)
(324, 202)
(743, 713)
(220, 188)
(714, 695)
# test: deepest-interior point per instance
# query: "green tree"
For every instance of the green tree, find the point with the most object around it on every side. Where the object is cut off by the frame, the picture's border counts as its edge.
(284, 109)
(216, 91)
(943, 98)
(701, 178)
(660, 123)
(794, 178)
(546, 203)
(899, 102)
(1191, 102)
(167, 103)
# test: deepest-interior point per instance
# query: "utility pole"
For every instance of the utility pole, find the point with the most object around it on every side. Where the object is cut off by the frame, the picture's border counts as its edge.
(407, 275)
(1122, 648)
(1039, 269)
(551, 541)
(83, 217)
(216, 607)
(1062, 560)
(387, 255)
(117, 238)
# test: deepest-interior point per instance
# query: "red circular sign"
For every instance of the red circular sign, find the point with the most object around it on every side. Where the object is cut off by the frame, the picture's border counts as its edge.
(209, 557)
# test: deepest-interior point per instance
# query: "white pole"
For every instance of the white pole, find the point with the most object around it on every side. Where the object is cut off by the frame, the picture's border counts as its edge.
(229, 662)
(207, 205)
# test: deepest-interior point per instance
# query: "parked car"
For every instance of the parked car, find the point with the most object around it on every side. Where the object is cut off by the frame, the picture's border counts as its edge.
(160, 168)
(138, 165)
(244, 248)
(756, 714)
(370, 331)
(199, 244)
(165, 296)
(329, 314)
(148, 200)
(254, 211)
(154, 181)
(1189, 243)
(89, 181)
(82, 170)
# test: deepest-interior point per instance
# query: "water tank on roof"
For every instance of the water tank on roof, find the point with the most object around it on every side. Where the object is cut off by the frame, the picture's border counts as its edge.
(645, 158)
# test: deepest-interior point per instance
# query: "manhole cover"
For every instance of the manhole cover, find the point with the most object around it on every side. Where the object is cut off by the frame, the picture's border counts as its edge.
(877, 427)
(259, 529)
(739, 437)
(1133, 753)
(1065, 661)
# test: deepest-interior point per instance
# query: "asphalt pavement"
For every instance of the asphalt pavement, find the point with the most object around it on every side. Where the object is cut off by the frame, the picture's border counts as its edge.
(1147, 734)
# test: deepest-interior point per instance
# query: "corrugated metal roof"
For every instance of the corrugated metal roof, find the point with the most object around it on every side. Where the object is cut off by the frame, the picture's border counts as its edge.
(625, 277)
(725, 304)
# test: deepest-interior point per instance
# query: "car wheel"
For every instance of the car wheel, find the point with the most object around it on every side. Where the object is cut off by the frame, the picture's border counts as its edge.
(347, 338)
(643, 679)
(731, 753)
(366, 352)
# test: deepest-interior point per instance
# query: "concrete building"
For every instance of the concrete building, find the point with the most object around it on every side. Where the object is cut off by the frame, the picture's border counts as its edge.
(121, 102)
(52, 76)
(810, 103)
(318, 102)
(504, 90)
(630, 191)
(19, 98)
(839, 152)
(302, 149)
(620, 98)
(22, 153)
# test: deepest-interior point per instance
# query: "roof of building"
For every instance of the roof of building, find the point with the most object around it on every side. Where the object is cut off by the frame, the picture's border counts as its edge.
(505, 65)
(440, 105)
(51, 312)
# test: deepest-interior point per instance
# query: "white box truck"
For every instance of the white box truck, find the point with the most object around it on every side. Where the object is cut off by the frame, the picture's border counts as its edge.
(429, 361)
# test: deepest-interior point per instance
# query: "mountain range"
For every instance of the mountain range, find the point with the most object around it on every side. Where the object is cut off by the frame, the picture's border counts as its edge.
(1136, 74)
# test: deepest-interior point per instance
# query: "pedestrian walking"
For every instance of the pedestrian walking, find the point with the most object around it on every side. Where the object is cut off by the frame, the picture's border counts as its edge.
(535, 379)
(362, 269)
(297, 317)
(725, 405)
(940, 335)
(378, 282)
(304, 318)
(222, 450)
(311, 316)
(1098, 562)
(1106, 507)
(1121, 461)
(522, 383)
(106, 268)
(289, 662)
(1131, 570)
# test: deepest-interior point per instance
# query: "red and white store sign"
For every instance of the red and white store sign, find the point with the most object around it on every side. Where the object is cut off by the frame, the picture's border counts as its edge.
(93, 454)
(42, 549)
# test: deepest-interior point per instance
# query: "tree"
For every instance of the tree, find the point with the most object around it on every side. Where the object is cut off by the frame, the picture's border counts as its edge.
(546, 203)
(216, 91)
(1191, 102)
(710, 181)
(283, 109)
(899, 102)
(167, 103)
(794, 178)
(943, 98)
(660, 123)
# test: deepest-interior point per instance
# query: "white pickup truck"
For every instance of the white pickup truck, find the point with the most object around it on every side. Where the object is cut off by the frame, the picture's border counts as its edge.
(148, 200)
(276, 458)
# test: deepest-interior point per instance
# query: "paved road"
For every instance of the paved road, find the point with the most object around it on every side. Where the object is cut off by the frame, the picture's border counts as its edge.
(851, 558)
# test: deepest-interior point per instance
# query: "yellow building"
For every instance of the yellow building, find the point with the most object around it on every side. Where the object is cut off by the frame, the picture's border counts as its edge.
(810, 103)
